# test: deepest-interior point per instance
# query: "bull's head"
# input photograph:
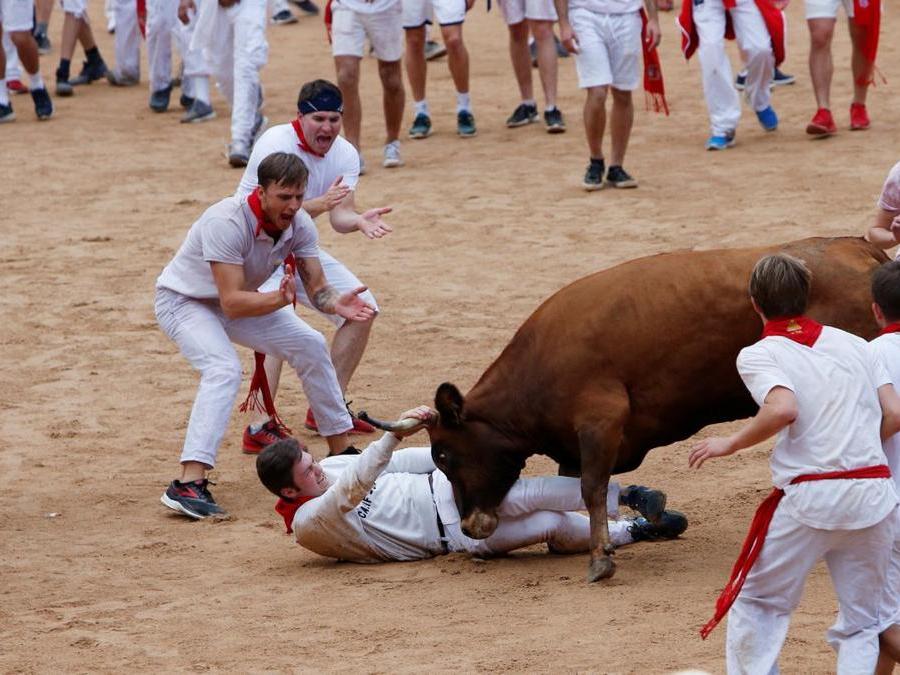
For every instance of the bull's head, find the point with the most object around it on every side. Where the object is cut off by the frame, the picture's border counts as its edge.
(481, 462)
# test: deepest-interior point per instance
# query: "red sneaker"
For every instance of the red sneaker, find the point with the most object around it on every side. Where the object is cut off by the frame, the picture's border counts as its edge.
(822, 124)
(270, 432)
(859, 117)
(359, 427)
(16, 86)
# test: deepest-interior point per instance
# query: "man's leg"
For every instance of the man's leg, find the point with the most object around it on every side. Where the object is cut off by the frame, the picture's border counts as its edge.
(520, 58)
(393, 98)
(547, 59)
(821, 66)
(756, 48)
(595, 120)
(416, 68)
(347, 68)
(161, 17)
(457, 57)
(621, 121)
(722, 100)
(251, 52)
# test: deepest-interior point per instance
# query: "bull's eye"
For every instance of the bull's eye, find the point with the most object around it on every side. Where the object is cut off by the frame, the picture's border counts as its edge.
(442, 457)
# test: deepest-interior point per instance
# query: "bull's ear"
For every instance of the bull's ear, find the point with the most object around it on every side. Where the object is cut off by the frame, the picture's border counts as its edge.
(449, 403)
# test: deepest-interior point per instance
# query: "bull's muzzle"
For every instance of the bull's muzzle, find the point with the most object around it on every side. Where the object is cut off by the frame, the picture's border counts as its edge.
(479, 524)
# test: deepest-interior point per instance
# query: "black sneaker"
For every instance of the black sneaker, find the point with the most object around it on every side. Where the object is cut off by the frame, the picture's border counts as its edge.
(159, 99)
(192, 499)
(593, 177)
(284, 17)
(649, 503)
(421, 126)
(526, 113)
(740, 82)
(554, 121)
(308, 6)
(43, 106)
(465, 124)
(670, 526)
(89, 73)
(6, 113)
(619, 178)
(186, 101)
(43, 43)
(780, 79)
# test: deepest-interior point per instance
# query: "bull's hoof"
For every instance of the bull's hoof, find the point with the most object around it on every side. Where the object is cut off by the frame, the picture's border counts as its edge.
(600, 568)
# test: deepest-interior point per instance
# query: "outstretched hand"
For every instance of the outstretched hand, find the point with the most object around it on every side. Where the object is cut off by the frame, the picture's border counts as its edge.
(716, 446)
(371, 224)
(427, 415)
(288, 286)
(352, 307)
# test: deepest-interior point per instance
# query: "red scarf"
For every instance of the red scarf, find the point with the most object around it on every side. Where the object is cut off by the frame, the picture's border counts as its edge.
(301, 139)
(890, 328)
(286, 508)
(772, 16)
(329, 19)
(142, 17)
(867, 15)
(800, 329)
(262, 223)
(654, 89)
(756, 537)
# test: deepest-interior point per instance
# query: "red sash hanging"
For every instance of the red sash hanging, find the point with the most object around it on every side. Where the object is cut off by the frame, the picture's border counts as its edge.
(142, 17)
(329, 19)
(654, 88)
(867, 15)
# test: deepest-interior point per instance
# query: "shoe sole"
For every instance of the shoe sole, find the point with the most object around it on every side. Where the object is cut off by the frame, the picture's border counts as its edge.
(64, 92)
(420, 135)
(467, 135)
(719, 148)
(592, 187)
(436, 55)
(44, 118)
(524, 123)
(9, 118)
(556, 129)
(201, 118)
(623, 185)
(859, 127)
(180, 508)
(817, 131)
(392, 163)
(237, 162)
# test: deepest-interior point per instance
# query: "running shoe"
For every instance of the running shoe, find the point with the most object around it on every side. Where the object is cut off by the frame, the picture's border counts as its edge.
(525, 113)
(822, 124)
(648, 502)
(768, 120)
(193, 499)
(43, 106)
(159, 99)
(308, 7)
(90, 72)
(859, 117)
(434, 50)
(284, 17)
(198, 112)
(670, 526)
(359, 427)
(6, 113)
(620, 178)
(421, 126)
(271, 431)
(392, 156)
(16, 87)
(593, 177)
(780, 79)
(465, 124)
(553, 119)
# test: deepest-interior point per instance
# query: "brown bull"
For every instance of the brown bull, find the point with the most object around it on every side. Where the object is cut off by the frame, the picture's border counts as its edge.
(621, 362)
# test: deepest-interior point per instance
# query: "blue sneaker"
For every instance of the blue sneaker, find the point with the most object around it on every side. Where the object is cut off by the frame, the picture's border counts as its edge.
(768, 120)
(720, 142)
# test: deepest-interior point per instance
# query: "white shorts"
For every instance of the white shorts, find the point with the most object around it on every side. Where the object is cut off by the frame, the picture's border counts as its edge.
(16, 15)
(77, 8)
(609, 49)
(516, 11)
(828, 9)
(350, 29)
(416, 13)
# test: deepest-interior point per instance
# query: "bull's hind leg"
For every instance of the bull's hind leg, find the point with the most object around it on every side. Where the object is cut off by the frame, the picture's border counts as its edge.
(599, 438)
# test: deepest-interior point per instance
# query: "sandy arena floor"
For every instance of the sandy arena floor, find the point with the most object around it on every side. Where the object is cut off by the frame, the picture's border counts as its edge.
(95, 399)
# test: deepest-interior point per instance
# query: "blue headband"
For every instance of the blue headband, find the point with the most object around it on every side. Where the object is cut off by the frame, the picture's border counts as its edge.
(324, 101)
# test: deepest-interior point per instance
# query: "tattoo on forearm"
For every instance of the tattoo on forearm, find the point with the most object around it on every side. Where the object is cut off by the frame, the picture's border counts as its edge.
(303, 270)
(325, 299)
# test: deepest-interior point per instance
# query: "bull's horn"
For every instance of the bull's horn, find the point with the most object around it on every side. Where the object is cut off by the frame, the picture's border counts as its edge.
(405, 424)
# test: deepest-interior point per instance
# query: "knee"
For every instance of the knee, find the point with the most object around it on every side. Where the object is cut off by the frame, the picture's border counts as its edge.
(224, 372)
(542, 30)
(621, 97)
(391, 79)
(820, 38)
(453, 41)
(310, 347)
(415, 39)
(756, 53)
(518, 32)
(348, 76)
(597, 95)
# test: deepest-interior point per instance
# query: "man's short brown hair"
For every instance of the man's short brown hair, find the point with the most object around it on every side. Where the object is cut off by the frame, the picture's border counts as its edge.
(282, 168)
(275, 465)
(780, 284)
(886, 289)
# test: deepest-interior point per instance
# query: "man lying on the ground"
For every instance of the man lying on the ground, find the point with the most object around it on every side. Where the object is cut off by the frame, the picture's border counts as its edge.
(376, 507)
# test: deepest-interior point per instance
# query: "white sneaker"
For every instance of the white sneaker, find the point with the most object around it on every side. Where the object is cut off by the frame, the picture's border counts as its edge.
(392, 155)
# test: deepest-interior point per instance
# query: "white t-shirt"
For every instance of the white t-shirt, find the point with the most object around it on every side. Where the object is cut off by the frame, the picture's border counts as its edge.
(889, 199)
(887, 349)
(378, 507)
(342, 159)
(837, 427)
(608, 6)
(228, 232)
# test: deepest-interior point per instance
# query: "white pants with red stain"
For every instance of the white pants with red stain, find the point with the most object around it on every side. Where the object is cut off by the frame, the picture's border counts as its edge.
(722, 99)
(205, 335)
(857, 562)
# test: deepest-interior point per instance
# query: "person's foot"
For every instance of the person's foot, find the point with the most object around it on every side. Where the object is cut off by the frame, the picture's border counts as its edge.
(238, 154)
(780, 79)
(768, 120)
(553, 120)
(593, 176)
(671, 524)
(720, 142)
(6, 113)
(859, 117)
(63, 86)
(392, 156)
(308, 7)
(252, 443)
(740, 82)
(89, 73)
(465, 124)
(822, 124)
(117, 80)
(421, 126)
(43, 43)
(648, 502)
(43, 106)
(434, 50)
(525, 113)
(192, 499)
(198, 112)
(186, 101)
(284, 17)
(620, 178)
(359, 427)
(16, 87)
(159, 99)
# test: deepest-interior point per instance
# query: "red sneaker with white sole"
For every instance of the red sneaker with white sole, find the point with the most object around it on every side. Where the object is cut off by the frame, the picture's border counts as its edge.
(822, 124)
(270, 433)
(359, 427)
(859, 117)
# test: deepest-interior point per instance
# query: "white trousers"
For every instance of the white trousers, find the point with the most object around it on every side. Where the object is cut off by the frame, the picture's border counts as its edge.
(204, 336)
(128, 39)
(235, 56)
(163, 27)
(722, 99)
(857, 562)
(13, 66)
(539, 510)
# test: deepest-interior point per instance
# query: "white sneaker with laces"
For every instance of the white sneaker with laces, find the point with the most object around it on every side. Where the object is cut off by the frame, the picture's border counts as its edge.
(392, 155)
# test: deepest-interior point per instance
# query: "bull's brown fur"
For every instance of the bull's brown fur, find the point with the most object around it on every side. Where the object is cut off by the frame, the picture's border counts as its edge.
(625, 360)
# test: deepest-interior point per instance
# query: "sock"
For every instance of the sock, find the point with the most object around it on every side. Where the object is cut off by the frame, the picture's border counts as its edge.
(4, 93)
(62, 73)
(530, 102)
(256, 427)
(40, 28)
(93, 55)
(37, 81)
(421, 107)
(200, 87)
(596, 160)
(550, 108)
(463, 102)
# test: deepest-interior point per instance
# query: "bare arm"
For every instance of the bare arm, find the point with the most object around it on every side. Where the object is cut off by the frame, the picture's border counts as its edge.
(326, 299)
(890, 410)
(237, 303)
(566, 34)
(345, 219)
(654, 34)
(882, 233)
(778, 411)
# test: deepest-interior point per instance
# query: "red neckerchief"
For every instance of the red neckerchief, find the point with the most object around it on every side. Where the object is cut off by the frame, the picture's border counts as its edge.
(654, 89)
(301, 139)
(286, 508)
(800, 329)
(262, 222)
(890, 328)
(756, 537)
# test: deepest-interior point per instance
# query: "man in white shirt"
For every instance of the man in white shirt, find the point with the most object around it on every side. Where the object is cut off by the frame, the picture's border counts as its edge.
(383, 505)
(207, 298)
(830, 401)
(333, 163)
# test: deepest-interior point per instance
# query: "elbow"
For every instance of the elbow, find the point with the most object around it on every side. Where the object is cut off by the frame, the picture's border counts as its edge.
(786, 413)
(229, 308)
(890, 425)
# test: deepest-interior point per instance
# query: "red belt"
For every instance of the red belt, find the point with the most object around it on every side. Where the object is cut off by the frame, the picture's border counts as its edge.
(757, 535)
